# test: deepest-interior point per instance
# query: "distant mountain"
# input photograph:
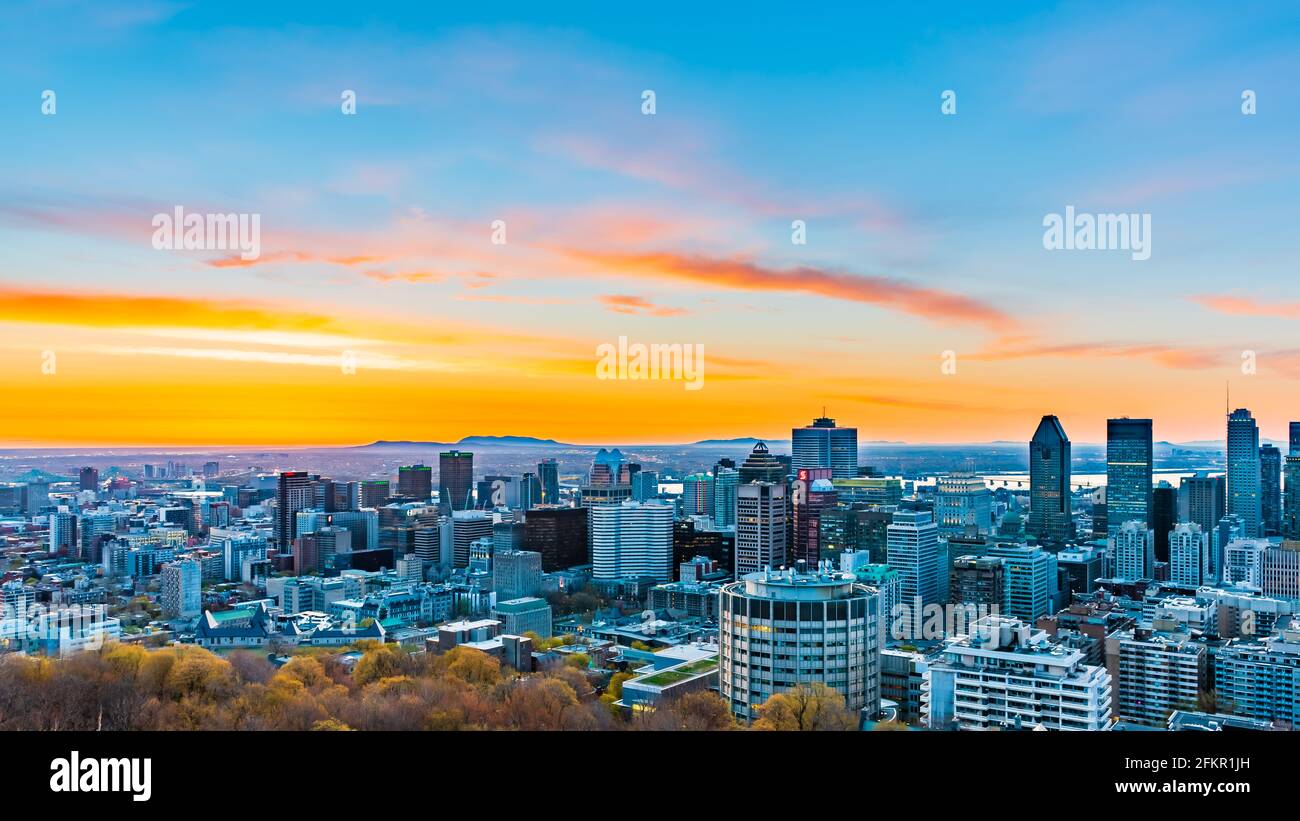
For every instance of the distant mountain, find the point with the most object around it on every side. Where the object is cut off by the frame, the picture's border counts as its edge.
(517, 441)
(476, 441)
(748, 441)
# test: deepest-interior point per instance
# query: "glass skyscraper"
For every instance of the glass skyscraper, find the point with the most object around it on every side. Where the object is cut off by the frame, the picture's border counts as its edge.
(823, 445)
(1049, 483)
(1243, 472)
(1270, 489)
(1128, 472)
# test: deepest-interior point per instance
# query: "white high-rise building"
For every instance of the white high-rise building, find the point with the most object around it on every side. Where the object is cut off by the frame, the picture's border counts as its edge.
(1243, 562)
(1189, 555)
(778, 630)
(1133, 546)
(912, 542)
(1006, 674)
(632, 539)
(760, 527)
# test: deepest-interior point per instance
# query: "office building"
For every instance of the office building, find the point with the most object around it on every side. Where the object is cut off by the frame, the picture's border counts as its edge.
(1201, 500)
(813, 497)
(762, 466)
(978, 580)
(526, 614)
(1291, 498)
(778, 630)
(415, 482)
(725, 482)
(632, 540)
(697, 495)
(824, 445)
(1244, 472)
(516, 574)
(455, 480)
(1050, 515)
(560, 535)
(1128, 472)
(467, 527)
(294, 492)
(88, 479)
(1032, 581)
(1164, 513)
(760, 526)
(964, 505)
(913, 550)
(548, 474)
(1270, 489)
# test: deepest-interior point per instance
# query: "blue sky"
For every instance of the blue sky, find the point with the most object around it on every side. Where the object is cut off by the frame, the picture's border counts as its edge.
(623, 224)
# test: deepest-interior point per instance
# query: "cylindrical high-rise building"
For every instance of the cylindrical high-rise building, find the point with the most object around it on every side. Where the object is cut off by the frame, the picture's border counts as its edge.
(777, 630)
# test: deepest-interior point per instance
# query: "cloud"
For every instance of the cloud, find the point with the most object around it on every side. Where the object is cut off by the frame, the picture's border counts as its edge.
(1247, 306)
(1171, 356)
(744, 275)
(629, 304)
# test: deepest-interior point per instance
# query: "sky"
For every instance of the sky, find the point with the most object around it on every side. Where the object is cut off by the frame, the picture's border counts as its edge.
(922, 305)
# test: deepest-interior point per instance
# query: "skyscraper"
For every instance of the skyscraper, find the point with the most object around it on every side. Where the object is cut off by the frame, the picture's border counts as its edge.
(1133, 545)
(1295, 439)
(1270, 489)
(760, 526)
(771, 625)
(913, 551)
(1049, 483)
(548, 473)
(632, 539)
(415, 482)
(295, 491)
(813, 496)
(1164, 513)
(823, 445)
(725, 482)
(455, 478)
(1291, 501)
(964, 501)
(89, 479)
(1128, 472)
(1189, 555)
(1200, 500)
(1243, 472)
(761, 466)
(697, 495)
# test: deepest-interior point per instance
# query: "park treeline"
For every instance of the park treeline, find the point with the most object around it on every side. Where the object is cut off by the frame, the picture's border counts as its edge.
(183, 687)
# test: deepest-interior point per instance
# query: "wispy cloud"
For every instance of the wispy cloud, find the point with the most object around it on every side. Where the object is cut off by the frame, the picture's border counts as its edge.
(746, 275)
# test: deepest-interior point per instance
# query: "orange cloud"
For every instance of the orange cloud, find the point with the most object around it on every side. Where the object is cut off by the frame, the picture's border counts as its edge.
(1167, 355)
(743, 275)
(1245, 306)
(629, 304)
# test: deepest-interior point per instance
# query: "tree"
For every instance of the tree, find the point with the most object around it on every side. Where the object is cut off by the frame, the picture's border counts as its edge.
(806, 707)
(382, 661)
(701, 710)
(469, 665)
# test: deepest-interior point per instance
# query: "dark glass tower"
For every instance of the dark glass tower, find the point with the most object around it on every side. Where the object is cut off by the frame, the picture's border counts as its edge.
(1049, 483)
(455, 478)
(1270, 489)
(548, 473)
(1128, 472)
(1164, 513)
(415, 481)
